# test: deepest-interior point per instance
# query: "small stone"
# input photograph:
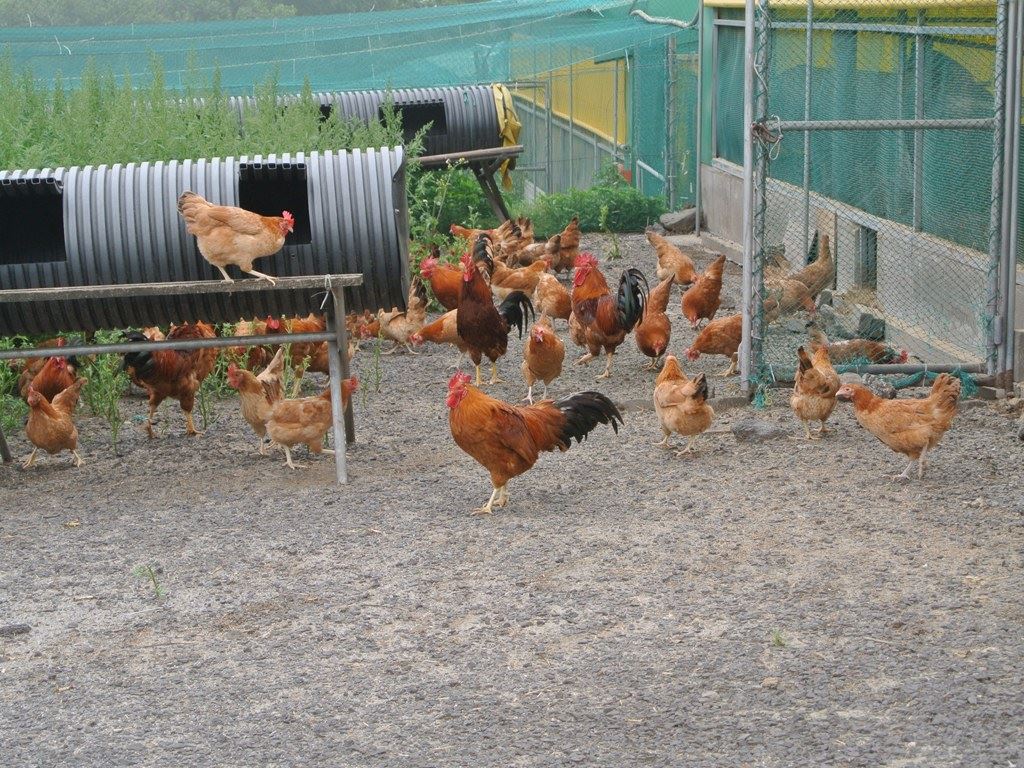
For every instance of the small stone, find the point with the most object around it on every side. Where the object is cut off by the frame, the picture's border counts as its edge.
(754, 430)
(770, 682)
(680, 222)
(12, 630)
(879, 386)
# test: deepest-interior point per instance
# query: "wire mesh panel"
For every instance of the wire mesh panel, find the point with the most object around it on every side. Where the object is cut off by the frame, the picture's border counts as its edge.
(877, 138)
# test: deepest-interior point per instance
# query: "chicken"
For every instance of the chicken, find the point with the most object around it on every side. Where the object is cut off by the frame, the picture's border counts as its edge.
(654, 330)
(543, 356)
(548, 252)
(814, 393)
(164, 373)
(551, 298)
(445, 280)
(306, 420)
(601, 320)
(568, 247)
(471, 234)
(702, 299)
(505, 280)
(50, 426)
(818, 275)
(444, 330)
(205, 359)
(784, 296)
(254, 357)
(681, 404)
(506, 439)
(842, 352)
(364, 326)
(306, 357)
(719, 337)
(257, 394)
(229, 235)
(153, 333)
(910, 427)
(483, 327)
(400, 326)
(54, 376)
(672, 262)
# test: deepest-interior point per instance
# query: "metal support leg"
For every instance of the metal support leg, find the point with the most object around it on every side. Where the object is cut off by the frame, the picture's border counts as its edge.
(491, 191)
(5, 451)
(337, 360)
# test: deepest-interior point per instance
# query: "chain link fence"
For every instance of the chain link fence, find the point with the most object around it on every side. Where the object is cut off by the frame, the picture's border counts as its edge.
(878, 174)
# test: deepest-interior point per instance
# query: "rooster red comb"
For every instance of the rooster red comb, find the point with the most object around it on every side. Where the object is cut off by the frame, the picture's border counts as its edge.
(287, 216)
(586, 259)
(460, 379)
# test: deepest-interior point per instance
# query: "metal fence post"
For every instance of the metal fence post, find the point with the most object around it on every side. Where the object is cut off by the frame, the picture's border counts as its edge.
(994, 331)
(918, 115)
(748, 193)
(699, 110)
(670, 113)
(808, 54)
(1008, 235)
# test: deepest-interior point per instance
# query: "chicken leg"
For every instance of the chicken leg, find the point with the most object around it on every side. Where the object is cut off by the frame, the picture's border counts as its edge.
(585, 359)
(608, 367)
(152, 413)
(486, 509)
(529, 394)
(30, 460)
(731, 369)
(689, 446)
(477, 365)
(78, 459)
(260, 275)
(190, 427)
(494, 374)
(664, 443)
(288, 462)
(223, 272)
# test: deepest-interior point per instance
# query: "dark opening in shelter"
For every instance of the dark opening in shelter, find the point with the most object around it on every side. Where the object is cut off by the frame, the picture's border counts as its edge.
(270, 188)
(33, 214)
(325, 112)
(415, 116)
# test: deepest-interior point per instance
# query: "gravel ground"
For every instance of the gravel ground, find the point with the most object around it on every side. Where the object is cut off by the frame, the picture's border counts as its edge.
(764, 604)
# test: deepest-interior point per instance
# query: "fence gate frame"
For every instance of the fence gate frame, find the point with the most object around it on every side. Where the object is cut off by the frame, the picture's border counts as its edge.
(762, 132)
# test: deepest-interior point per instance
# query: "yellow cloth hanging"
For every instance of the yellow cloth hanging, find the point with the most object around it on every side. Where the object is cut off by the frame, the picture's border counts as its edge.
(508, 128)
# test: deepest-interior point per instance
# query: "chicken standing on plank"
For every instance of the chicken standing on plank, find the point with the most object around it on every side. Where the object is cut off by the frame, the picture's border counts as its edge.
(229, 235)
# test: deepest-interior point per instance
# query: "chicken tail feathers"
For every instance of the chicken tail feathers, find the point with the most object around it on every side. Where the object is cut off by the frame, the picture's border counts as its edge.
(583, 412)
(946, 390)
(632, 296)
(516, 309)
(812, 252)
(701, 382)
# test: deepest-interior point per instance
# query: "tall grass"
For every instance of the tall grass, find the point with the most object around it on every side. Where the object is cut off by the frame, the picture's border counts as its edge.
(109, 120)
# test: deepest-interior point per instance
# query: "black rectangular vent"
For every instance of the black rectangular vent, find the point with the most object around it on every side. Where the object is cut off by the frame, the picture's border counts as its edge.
(34, 212)
(415, 116)
(270, 188)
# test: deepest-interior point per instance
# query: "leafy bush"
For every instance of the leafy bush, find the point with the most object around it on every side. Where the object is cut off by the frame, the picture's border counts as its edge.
(628, 210)
(13, 409)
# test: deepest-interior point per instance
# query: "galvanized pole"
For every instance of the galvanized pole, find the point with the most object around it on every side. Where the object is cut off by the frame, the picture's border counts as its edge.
(572, 128)
(1008, 278)
(5, 452)
(670, 113)
(918, 115)
(808, 55)
(699, 138)
(994, 332)
(337, 363)
(748, 194)
(550, 124)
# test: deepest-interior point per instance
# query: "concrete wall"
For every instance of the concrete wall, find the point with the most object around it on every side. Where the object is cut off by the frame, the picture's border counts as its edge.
(931, 292)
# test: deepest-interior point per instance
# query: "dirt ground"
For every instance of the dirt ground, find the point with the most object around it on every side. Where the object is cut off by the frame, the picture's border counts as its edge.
(771, 603)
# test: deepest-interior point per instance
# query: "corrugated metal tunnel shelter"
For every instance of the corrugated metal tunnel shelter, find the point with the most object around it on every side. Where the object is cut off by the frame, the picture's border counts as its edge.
(120, 224)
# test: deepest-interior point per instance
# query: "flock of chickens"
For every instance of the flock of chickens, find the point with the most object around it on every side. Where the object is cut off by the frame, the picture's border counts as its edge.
(507, 265)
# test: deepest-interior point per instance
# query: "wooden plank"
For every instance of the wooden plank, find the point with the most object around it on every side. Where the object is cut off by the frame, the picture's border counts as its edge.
(70, 293)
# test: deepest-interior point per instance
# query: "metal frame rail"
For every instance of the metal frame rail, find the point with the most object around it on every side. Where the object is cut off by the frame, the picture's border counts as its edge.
(336, 334)
(484, 163)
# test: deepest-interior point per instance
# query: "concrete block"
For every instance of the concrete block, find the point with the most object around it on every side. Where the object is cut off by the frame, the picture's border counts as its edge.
(991, 393)
(681, 222)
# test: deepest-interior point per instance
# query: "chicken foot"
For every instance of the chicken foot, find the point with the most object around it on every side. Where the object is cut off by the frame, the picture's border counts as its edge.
(30, 460)
(190, 427)
(289, 462)
(227, 279)
(689, 446)
(731, 369)
(260, 275)
(664, 443)
(79, 461)
(608, 367)
(905, 475)
(585, 359)
(499, 498)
